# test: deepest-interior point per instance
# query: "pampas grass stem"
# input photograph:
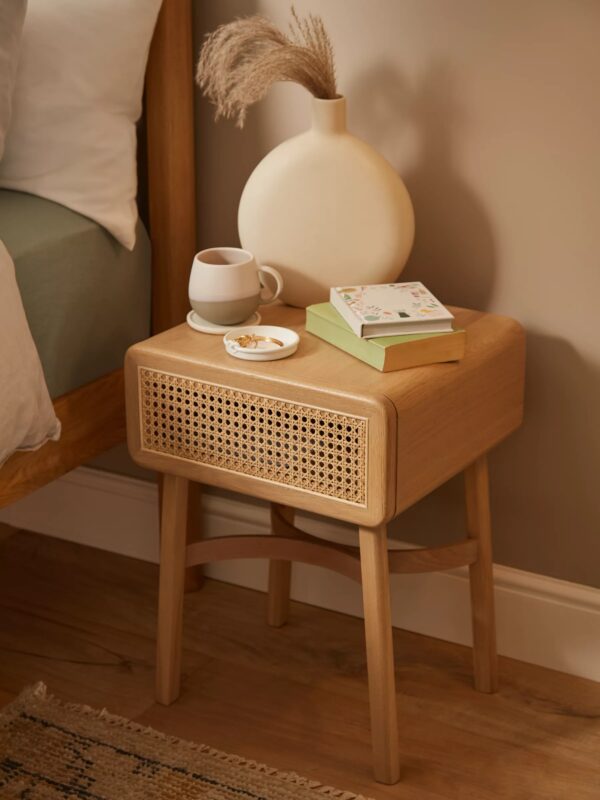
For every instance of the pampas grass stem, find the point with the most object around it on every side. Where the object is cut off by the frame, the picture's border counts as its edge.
(241, 60)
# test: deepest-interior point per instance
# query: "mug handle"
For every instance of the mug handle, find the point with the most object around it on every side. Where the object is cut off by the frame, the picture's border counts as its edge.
(278, 280)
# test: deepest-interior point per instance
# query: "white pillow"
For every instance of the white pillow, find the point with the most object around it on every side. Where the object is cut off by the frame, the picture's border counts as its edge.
(12, 14)
(77, 97)
(27, 418)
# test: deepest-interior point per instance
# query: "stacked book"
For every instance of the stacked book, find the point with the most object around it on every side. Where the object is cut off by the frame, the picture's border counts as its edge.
(390, 326)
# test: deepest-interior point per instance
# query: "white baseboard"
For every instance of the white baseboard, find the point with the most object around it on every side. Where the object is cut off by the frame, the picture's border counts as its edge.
(541, 620)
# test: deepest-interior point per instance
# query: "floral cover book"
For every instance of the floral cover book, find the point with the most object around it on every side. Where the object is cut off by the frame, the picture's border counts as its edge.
(391, 307)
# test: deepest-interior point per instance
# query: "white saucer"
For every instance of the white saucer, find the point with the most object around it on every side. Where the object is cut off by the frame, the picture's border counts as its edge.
(265, 351)
(196, 322)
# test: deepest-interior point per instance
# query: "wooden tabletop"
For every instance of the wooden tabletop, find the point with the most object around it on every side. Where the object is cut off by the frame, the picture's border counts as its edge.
(317, 364)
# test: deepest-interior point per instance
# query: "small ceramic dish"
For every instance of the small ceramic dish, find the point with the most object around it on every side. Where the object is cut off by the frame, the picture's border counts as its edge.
(261, 342)
(202, 325)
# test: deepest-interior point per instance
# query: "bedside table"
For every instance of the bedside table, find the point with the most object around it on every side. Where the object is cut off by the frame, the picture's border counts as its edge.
(322, 431)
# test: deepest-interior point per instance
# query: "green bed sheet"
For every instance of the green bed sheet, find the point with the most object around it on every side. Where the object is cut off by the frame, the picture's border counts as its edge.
(86, 297)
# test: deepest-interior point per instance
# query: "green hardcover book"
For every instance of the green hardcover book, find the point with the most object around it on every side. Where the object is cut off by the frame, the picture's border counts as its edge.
(385, 353)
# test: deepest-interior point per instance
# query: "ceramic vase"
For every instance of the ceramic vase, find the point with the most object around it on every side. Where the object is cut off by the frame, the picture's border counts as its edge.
(326, 209)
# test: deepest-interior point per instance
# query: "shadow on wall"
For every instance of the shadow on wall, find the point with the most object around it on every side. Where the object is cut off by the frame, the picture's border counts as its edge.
(225, 155)
(545, 478)
(546, 494)
(454, 252)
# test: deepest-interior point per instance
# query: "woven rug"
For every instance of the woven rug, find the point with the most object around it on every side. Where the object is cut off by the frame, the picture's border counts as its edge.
(56, 751)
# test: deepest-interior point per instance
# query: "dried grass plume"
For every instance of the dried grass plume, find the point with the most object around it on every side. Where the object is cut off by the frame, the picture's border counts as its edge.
(241, 60)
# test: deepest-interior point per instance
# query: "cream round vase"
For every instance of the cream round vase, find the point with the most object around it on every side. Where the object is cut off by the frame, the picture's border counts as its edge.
(326, 209)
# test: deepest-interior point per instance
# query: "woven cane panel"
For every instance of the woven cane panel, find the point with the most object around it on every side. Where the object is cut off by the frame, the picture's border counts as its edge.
(294, 445)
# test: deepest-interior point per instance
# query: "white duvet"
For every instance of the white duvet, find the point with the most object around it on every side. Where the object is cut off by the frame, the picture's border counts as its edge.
(27, 418)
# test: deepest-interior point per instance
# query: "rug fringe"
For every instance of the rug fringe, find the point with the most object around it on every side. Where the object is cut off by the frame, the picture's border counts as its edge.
(40, 693)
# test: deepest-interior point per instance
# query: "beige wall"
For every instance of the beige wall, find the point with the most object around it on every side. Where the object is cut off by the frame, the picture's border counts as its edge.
(490, 110)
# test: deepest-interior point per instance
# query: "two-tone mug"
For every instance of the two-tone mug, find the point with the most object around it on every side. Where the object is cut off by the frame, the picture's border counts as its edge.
(227, 285)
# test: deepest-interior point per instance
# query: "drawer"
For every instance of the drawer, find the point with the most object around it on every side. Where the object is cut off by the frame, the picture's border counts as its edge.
(318, 454)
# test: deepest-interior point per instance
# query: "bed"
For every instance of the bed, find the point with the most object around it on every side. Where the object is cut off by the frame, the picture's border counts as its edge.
(74, 276)
(121, 296)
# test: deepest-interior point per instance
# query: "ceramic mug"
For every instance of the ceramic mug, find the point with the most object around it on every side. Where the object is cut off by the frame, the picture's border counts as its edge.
(227, 285)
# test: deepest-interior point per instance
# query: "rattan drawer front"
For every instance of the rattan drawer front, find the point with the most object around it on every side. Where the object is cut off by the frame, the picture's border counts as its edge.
(311, 449)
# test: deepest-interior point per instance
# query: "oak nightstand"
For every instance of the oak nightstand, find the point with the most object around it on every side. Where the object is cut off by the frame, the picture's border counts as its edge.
(324, 432)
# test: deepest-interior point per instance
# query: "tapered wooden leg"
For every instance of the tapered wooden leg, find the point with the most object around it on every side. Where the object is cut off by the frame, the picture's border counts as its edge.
(280, 576)
(171, 586)
(380, 653)
(485, 660)
(194, 576)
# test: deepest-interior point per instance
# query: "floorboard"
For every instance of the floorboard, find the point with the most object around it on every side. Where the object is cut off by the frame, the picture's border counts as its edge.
(82, 621)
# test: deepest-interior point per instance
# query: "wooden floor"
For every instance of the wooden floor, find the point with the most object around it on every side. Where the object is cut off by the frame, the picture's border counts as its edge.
(83, 621)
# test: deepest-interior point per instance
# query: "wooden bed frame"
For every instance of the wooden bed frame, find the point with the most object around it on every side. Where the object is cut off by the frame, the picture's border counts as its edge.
(93, 416)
